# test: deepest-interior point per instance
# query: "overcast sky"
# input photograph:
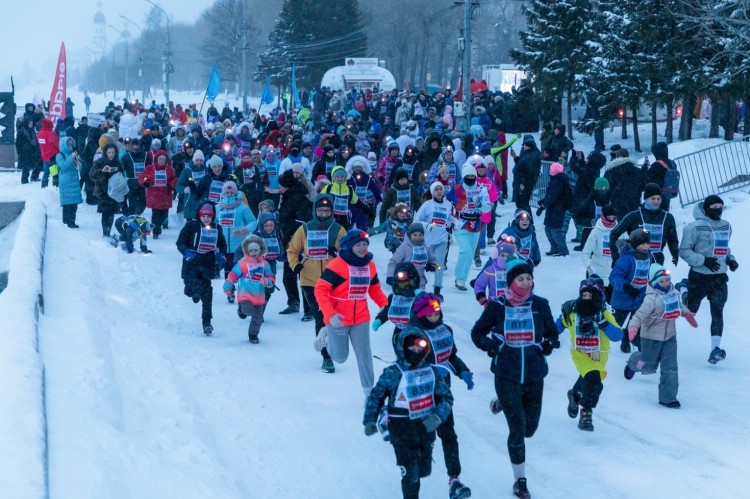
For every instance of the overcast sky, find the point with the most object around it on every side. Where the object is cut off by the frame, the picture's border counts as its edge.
(37, 27)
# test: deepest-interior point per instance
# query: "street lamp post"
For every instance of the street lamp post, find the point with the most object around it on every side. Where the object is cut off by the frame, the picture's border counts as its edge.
(125, 34)
(167, 65)
(140, 49)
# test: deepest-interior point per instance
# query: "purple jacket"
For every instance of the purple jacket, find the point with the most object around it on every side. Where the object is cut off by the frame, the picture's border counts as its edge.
(487, 279)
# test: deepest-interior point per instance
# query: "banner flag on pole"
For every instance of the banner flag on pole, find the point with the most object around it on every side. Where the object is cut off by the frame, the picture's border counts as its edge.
(214, 84)
(267, 97)
(295, 93)
(58, 96)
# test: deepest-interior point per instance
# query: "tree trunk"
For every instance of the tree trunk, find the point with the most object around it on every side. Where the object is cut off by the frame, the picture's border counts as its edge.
(440, 69)
(713, 131)
(636, 136)
(624, 123)
(682, 133)
(413, 65)
(746, 124)
(690, 107)
(669, 130)
(654, 132)
(570, 115)
(729, 112)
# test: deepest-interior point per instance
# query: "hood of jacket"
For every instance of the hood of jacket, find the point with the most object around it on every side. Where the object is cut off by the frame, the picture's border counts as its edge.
(46, 124)
(619, 162)
(405, 333)
(65, 149)
(357, 160)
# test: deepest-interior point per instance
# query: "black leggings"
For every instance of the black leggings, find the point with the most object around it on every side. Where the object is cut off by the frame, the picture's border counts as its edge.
(415, 462)
(588, 388)
(447, 434)
(713, 287)
(522, 406)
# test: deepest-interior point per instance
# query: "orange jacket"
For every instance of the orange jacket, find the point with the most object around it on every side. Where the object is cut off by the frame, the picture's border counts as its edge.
(332, 293)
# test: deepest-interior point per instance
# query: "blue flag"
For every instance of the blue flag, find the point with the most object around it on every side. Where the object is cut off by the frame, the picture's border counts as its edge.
(267, 97)
(295, 93)
(214, 84)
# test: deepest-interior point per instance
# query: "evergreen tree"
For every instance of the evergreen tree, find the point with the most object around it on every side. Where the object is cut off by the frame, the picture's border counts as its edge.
(316, 37)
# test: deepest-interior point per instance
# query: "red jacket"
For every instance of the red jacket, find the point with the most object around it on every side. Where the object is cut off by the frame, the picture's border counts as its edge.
(49, 142)
(158, 197)
(332, 293)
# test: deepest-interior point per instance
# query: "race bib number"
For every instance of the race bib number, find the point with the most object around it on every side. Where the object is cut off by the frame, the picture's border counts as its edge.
(655, 233)
(160, 178)
(640, 276)
(404, 196)
(439, 216)
(606, 249)
(138, 167)
(525, 251)
(671, 305)
(419, 256)
(273, 249)
(340, 205)
(442, 343)
(317, 244)
(519, 326)
(419, 388)
(721, 243)
(226, 217)
(501, 282)
(586, 342)
(214, 191)
(400, 310)
(359, 282)
(197, 176)
(208, 239)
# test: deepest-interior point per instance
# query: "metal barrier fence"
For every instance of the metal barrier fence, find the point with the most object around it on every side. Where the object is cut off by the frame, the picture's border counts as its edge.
(540, 190)
(714, 170)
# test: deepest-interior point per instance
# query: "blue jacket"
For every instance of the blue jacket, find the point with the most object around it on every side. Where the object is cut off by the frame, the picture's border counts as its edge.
(516, 364)
(244, 221)
(622, 274)
(68, 177)
(523, 239)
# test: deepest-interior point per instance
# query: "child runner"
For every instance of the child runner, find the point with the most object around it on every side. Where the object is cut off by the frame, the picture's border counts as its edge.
(435, 215)
(413, 250)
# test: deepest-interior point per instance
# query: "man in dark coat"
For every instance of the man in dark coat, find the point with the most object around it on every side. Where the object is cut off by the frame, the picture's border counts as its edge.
(658, 169)
(586, 172)
(294, 208)
(28, 151)
(528, 164)
(626, 183)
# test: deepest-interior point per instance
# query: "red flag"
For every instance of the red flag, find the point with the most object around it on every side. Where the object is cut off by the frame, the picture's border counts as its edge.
(57, 97)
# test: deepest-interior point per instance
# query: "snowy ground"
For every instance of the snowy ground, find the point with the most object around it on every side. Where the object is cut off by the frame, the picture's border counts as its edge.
(141, 404)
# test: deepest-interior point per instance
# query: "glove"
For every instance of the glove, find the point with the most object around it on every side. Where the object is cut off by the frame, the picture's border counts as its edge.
(468, 378)
(298, 268)
(675, 259)
(371, 429)
(191, 184)
(733, 265)
(376, 324)
(690, 317)
(537, 263)
(335, 320)
(190, 255)
(539, 210)
(389, 281)
(332, 252)
(146, 182)
(483, 301)
(145, 250)
(221, 259)
(431, 267)
(631, 290)
(632, 332)
(431, 422)
(711, 264)
(548, 346)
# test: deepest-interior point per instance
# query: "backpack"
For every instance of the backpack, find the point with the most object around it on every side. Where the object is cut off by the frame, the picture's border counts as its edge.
(671, 187)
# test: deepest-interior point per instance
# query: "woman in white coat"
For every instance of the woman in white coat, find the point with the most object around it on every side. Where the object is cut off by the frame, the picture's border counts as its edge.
(596, 253)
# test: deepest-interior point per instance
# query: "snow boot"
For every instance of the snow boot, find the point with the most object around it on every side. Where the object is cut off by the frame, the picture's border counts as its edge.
(675, 404)
(292, 308)
(308, 317)
(196, 298)
(478, 262)
(208, 329)
(520, 489)
(629, 373)
(495, 407)
(716, 355)
(572, 405)
(460, 285)
(490, 241)
(254, 340)
(436, 290)
(585, 423)
(328, 366)
(458, 490)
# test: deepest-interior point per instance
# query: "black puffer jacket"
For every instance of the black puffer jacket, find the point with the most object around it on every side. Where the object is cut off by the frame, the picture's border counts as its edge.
(626, 183)
(294, 209)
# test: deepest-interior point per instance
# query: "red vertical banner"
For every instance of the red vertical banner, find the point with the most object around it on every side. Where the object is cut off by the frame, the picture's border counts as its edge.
(58, 95)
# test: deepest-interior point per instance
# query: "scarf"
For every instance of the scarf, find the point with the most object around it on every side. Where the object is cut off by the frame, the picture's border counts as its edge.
(607, 223)
(516, 296)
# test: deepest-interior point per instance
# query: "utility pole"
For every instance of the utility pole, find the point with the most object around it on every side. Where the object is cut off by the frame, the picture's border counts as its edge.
(140, 54)
(243, 25)
(166, 58)
(468, 6)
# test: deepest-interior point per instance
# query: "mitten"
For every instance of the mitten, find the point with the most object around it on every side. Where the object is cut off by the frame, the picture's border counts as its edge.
(539, 210)
(146, 182)
(675, 259)
(468, 378)
(298, 268)
(690, 317)
(221, 259)
(431, 267)
(733, 265)
(371, 429)
(431, 422)
(548, 346)
(483, 301)
(631, 290)
(336, 320)
(228, 292)
(190, 255)
(711, 264)
(389, 281)
(537, 263)
(632, 332)
(376, 324)
(332, 252)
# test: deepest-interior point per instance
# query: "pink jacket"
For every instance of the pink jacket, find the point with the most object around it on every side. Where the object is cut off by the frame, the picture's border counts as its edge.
(492, 190)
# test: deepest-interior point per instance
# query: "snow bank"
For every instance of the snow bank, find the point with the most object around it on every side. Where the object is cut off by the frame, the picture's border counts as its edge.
(23, 421)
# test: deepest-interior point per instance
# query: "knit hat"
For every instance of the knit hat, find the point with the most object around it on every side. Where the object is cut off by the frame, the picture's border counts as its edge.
(255, 152)
(608, 211)
(468, 170)
(206, 209)
(489, 159)
(434, 186)
(215, 161)
(638, 237)
(401, 173)
(269, 204)
(442, 168)
(198, 155)
(516, 267)
(415, 227)
(287, 179)
(371, 155)
(601, 183)
(426, 304)
(156, 144)
(506, 247)
(229, 188)
(592, 285)
(651, 189)
(529, 142)
(555, 169)
(521, 214)
(712, 199)
(656, 272)
(353, 237)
